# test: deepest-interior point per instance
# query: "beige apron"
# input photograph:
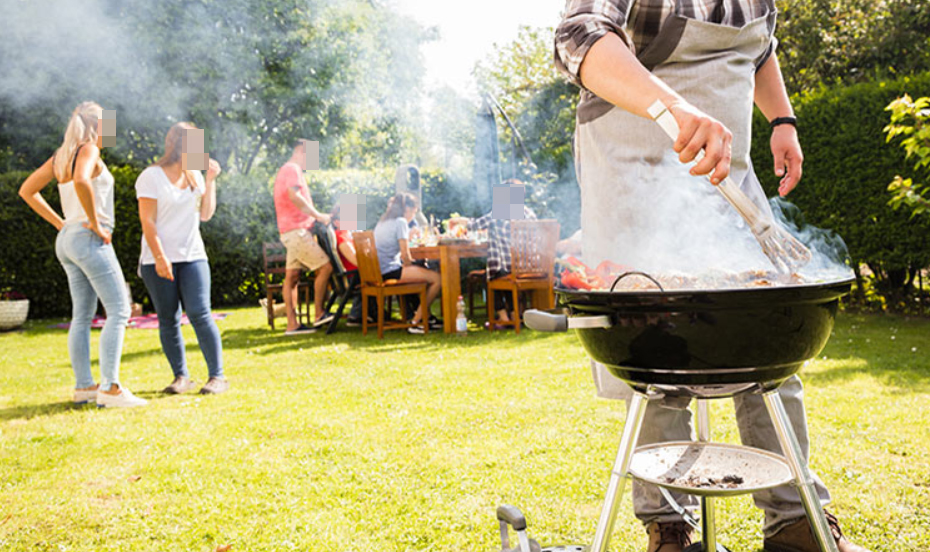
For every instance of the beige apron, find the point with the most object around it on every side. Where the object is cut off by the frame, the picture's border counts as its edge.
(713, 67)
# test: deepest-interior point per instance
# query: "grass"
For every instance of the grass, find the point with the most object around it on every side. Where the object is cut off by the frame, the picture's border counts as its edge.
(350, 443)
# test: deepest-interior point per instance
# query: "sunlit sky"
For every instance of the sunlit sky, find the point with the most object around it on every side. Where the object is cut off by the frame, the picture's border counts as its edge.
(468, 30)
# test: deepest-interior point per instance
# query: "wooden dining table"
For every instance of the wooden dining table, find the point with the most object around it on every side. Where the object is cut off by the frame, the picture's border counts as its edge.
(449, 257)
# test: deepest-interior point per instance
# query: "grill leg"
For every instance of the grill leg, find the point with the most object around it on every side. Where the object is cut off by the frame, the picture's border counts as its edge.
(802, 477)
(708, 509)
(618, 475)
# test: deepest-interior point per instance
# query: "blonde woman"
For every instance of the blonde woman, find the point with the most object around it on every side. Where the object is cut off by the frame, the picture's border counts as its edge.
(84, 250)
(173, 201)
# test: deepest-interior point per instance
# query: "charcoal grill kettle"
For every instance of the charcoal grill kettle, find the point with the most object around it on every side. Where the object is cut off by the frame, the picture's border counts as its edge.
(698, 313)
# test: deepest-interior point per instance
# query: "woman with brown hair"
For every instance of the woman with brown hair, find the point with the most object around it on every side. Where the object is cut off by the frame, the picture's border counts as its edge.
(173, 201)
(83, 247)
(391, 236)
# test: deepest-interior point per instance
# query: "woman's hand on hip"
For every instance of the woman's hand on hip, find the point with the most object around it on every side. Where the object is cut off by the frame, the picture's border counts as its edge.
(698, 132)
(787, 153)
(107, 237)
(163, 268)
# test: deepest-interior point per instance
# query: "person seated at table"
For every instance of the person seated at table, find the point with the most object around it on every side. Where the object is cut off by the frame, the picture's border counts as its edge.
(499, 261)
(391, 241)
(346, 248)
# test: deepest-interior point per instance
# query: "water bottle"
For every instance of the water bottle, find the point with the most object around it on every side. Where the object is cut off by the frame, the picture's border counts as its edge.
(461, 323)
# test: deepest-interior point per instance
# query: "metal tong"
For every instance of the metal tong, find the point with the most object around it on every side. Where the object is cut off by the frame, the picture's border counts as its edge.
(783, 250)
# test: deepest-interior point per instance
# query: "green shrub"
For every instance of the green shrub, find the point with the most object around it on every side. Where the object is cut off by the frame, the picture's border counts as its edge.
(847, 167)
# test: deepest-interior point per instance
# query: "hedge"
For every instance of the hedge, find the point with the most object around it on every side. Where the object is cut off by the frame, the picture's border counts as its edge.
(244, 219)
(847, 168)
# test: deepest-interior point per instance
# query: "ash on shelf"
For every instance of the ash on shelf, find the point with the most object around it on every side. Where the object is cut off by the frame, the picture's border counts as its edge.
(696, 482)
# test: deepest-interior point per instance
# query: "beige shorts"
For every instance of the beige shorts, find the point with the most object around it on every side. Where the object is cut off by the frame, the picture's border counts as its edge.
(303, 251)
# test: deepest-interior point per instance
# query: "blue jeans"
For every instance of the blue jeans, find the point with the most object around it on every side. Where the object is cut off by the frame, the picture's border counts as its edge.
(191, 286)
(93, 272)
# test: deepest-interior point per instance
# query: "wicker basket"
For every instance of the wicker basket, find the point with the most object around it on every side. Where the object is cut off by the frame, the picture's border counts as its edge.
(13, 313)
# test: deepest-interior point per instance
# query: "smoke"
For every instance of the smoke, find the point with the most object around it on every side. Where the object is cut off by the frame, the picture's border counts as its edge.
(254, 76)
(662, 220)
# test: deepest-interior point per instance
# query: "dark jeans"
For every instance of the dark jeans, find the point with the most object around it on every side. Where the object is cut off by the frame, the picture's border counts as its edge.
(191, 286)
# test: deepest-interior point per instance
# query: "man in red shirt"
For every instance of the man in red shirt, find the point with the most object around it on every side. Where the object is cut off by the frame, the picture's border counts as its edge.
(296, 215)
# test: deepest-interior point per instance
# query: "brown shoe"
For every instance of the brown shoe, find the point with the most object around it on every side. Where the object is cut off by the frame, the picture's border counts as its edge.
(214, 386)
(669, 537)
(799, 537)
(179, 385)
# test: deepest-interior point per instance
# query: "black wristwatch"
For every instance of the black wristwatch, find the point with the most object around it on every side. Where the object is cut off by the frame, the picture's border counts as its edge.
(793, 121)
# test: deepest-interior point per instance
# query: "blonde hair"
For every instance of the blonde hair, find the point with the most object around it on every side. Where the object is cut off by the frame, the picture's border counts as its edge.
(173, 148)
(82, 128)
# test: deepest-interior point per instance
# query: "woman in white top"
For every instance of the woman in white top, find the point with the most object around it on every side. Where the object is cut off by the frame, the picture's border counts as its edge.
(84, 250)
(172, 202)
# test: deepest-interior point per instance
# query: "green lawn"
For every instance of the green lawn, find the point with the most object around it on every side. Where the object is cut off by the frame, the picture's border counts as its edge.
(350, 443)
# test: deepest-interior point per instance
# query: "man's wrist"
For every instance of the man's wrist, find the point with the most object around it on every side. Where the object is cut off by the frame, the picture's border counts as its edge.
(779, 121)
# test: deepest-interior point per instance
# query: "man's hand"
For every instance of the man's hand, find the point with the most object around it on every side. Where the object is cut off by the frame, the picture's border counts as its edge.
(325, 219)
(787, 153)
(699, 131)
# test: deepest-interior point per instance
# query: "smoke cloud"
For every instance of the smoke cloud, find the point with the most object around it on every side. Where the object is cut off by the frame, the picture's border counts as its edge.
(684, 226)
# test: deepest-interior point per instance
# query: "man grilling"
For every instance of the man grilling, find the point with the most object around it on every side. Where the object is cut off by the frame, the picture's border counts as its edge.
(708, 61)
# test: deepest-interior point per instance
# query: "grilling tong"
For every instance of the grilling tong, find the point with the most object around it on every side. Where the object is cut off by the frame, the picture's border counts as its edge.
(783, 249)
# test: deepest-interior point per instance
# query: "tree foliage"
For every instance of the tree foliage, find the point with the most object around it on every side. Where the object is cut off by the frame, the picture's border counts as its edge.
(255, 75)
(828, 41)
(910, 120)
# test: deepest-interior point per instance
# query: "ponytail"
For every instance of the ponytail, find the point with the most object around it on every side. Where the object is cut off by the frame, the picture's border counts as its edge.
(82, 128)
(397, 205)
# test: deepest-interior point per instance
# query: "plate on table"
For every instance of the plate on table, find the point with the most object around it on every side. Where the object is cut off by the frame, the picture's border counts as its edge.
(456, 241)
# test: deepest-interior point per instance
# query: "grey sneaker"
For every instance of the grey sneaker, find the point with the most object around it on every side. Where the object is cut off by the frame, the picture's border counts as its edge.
(179, 385)
(215, 386)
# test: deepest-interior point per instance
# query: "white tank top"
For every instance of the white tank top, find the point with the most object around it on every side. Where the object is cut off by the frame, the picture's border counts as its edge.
(102, 186)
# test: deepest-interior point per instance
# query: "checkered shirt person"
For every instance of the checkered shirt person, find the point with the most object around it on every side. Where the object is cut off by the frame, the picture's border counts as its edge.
(499, 259)
(637, 22)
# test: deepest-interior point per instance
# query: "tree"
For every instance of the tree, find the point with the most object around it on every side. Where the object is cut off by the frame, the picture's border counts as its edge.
(255, 75)
(827, 41)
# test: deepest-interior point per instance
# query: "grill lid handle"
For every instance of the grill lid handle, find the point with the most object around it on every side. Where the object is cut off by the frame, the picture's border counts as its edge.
(547, 321)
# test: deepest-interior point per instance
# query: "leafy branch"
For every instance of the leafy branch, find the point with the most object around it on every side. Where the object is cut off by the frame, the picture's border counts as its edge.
(910, 120)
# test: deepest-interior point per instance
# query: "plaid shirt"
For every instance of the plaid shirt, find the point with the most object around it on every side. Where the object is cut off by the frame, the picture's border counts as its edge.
(637, 22)
(498, 239)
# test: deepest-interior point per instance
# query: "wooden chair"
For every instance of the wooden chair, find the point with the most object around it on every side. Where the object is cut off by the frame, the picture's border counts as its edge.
(532, 263)
(475, 281)
(373, 285)
(274, 257)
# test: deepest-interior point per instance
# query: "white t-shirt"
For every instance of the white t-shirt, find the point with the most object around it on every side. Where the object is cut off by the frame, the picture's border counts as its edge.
(177, 216)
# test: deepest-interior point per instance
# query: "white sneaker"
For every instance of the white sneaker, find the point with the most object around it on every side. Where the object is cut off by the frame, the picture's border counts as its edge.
(123, 400)
(84, 396)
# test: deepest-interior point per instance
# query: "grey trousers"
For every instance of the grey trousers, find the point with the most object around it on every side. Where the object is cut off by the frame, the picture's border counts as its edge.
(669, 419)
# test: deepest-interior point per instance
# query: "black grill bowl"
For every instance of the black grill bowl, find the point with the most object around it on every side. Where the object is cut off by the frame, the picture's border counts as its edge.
(708, 338)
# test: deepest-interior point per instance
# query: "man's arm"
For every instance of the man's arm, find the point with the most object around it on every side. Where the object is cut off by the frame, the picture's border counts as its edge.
(611, 71)
(772, 99)
(305, 204)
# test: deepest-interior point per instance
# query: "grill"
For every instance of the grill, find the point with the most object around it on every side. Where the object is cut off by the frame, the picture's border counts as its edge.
(705, 344)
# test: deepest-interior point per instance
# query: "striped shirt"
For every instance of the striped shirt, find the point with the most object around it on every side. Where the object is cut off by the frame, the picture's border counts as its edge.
(637, 22)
